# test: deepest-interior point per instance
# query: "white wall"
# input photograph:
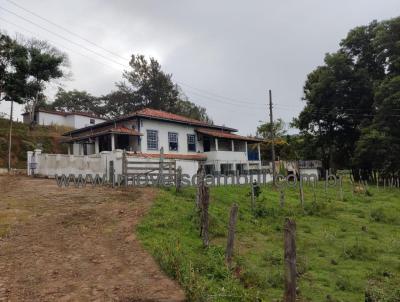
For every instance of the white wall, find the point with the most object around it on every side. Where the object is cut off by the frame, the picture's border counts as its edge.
(50, 165)
(73, 121)
(163, 128)
(309, 171)
(80, 121)
(45, 119)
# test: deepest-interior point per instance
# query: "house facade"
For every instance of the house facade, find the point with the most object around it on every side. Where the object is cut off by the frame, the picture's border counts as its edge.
(68, 119)
(143, 134)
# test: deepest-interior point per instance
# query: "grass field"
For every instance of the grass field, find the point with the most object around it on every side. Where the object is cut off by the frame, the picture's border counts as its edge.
(346, 250)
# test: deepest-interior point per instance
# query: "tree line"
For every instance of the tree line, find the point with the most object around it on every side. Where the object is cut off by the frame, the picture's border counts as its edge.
(351, 118)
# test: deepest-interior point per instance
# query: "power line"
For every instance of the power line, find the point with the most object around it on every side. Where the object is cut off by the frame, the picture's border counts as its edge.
(67, 30)
(60, 45)
(66, 39)
(218, 96)
(110, 52)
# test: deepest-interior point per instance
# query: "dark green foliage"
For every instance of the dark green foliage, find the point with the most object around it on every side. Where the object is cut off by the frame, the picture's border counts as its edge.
(353, 100)
(147, 85)
(144, 85)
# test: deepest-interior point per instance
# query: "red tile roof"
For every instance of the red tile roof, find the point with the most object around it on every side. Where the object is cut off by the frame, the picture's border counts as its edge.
(116, 130)
(153, 113)
(222, 134)
(65, 113)
(169, 155)
(124, 130)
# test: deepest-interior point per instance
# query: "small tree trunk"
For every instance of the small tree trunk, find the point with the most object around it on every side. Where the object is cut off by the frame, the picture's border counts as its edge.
(290, 260)
(231, 234)
(10, 136)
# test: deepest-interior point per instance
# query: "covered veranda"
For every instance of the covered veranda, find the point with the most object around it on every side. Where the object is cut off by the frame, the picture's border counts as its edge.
(104, 140)
(229, 153)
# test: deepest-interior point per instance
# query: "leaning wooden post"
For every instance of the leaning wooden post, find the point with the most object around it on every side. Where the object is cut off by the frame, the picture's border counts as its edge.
(290, 260)
(178, 182)
(231, 235)
(205, 201)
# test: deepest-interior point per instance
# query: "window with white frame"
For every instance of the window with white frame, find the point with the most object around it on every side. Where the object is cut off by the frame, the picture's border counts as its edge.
(152, 139)
(173, 141)
(191, 141)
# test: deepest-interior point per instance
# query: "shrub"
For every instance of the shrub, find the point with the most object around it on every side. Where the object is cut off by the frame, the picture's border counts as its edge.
(378, 215)
(343, 283)
(358, 252)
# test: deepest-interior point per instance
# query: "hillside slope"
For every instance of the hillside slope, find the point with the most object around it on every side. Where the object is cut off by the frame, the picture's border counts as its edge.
(23, 140)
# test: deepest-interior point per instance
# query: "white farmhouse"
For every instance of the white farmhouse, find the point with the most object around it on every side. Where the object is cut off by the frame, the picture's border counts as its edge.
(143, 133)
(69, 119)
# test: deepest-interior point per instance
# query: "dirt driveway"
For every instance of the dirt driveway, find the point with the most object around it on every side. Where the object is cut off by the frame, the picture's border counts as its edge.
(74, 244)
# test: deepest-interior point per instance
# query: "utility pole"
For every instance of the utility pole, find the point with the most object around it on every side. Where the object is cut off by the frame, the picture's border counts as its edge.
(271, 119)
(10, 136)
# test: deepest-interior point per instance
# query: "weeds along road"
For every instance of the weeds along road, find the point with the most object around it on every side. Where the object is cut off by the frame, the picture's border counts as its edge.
(74, 244)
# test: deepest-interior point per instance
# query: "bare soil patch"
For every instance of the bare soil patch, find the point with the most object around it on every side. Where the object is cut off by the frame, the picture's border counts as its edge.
(70, 244)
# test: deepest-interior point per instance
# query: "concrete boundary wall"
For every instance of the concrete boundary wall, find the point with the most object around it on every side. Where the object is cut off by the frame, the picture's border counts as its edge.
(49, 165)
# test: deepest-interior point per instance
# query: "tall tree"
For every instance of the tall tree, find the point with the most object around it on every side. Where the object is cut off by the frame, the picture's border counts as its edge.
(13, 69)
(352, 100)
(45, 64)
(13, 77)
(147, 85)
(76, 100)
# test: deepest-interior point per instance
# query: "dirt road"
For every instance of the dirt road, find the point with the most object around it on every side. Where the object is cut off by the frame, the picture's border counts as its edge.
(76, 244)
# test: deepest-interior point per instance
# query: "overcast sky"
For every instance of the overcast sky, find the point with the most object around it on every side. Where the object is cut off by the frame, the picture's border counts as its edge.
(224, 54)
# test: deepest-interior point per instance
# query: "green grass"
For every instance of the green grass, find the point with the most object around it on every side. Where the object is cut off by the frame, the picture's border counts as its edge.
(346, 250)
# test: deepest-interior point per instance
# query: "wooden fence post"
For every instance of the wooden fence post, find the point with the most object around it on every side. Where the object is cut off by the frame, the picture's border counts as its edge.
(326, 185)
(301, 192)
(178, 180)
(200, 180)
(252, 198)
(341, 187)
(205, 201)
(231, 234)
(161, 167)
(314, 191)
(282, 198)
(290, 260)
